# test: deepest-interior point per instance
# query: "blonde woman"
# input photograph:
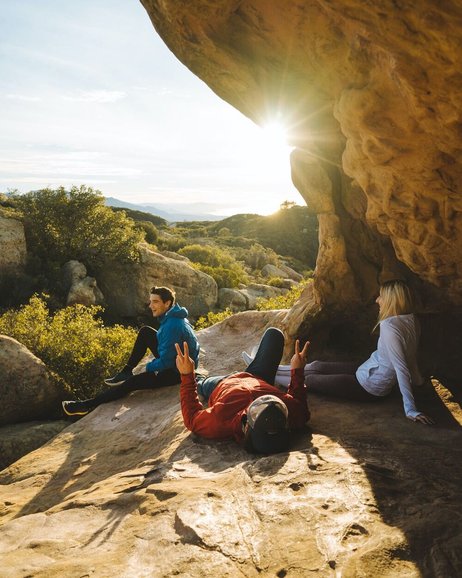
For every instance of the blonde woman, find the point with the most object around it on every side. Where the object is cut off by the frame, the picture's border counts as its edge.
(394, 361)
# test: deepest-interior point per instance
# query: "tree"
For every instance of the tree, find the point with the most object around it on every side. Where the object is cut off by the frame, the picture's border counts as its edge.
(62, 225)
(287, 205)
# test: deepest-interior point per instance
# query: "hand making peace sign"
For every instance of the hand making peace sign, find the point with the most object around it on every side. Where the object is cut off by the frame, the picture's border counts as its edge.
(184, 363)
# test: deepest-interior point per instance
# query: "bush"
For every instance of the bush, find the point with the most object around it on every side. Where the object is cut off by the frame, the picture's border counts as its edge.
(168, 242)
(73, 342)
(223, 276)
(283, 301)
(149, 231)
(61, 225)
(212, 318)
(217, 263)
(258, 256)
(276, 282)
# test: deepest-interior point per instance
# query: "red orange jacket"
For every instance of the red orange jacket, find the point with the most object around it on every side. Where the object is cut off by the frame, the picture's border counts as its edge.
(229, 400)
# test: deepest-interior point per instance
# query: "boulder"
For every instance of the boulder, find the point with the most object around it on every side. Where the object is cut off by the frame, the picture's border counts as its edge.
(246, 297)
(257, 291)
(232, 298)
(126, 286)
(28, 390)
(282, 271)
(20, 439)
(13, 243)
(173, 255)
(81, 288)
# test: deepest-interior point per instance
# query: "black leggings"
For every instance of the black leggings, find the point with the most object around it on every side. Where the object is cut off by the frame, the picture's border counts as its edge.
(336, 379)
(146, 339)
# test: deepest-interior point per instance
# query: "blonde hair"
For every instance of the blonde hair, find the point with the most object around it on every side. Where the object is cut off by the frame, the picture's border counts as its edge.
(396, 300)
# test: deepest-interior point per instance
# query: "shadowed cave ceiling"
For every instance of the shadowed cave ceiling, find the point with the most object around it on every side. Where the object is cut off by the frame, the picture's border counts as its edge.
(371, 94)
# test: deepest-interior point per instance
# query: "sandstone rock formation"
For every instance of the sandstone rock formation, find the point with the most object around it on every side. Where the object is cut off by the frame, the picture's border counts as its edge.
(282, 271)
(126, 491)
(246, 297)
(20, 439)
(371, 96)
(81, 288)
(28, 391)
(126, 287)
(13, 244)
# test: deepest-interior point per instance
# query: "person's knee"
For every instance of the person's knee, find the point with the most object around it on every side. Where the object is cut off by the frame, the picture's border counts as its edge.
(147, 330)
(274, 333)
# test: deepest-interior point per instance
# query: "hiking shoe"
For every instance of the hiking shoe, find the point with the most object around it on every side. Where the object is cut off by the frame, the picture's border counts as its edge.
(119, 377)
(75, 407)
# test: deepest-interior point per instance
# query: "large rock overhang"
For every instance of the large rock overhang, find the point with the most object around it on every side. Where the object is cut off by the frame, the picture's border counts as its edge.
(371, 93)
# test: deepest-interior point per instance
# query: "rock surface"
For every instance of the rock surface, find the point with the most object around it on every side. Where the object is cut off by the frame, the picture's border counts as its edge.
(13, 244)
(28, 391)
(20, 439)
(126, 491)
(81, 288)
(126, 287)
(246, 297)
(282, 271)
(371, 95)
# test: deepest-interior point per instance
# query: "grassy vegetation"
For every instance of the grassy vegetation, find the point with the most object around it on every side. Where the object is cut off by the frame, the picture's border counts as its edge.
(73, 342)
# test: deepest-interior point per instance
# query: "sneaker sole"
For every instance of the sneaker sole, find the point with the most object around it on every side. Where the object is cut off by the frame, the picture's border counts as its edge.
(109, 382)
(74, 412)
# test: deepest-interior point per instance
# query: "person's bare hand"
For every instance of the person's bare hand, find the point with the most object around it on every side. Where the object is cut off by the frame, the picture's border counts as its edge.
(184, 363)
(299, 358)
(422, 418)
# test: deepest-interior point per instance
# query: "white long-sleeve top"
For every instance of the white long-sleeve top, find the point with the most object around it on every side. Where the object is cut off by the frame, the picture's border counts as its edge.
(394, 361)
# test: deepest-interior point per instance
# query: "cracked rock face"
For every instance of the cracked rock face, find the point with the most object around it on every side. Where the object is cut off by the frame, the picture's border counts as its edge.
(371, 94)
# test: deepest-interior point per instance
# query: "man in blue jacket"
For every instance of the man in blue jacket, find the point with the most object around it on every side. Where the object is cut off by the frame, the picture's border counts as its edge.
(161, 371)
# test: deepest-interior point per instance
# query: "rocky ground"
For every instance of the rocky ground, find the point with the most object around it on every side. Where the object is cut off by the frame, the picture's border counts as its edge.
(126, 491)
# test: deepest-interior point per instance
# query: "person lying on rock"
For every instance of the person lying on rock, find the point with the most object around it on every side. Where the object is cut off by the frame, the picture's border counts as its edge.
(394, 362)
(161, 371)
(247, 406)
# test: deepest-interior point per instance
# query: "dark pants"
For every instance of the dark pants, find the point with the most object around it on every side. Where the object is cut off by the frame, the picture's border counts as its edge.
(145, 340)
(264, 365)
(336, 379)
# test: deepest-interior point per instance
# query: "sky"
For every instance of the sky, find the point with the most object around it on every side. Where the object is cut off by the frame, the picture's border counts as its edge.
(90, 95)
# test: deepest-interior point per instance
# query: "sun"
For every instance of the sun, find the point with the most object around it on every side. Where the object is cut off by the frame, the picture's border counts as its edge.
(276, 134)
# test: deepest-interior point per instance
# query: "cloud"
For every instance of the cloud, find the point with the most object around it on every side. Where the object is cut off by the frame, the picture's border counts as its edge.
(100, 96)
(23, 97)
(80, 165)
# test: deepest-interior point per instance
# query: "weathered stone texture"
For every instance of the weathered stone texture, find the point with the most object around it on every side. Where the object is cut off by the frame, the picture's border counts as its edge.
(28, 391)
(127, 286)
(371, 93)
(81, 288)
(13, 246)
(127, 491)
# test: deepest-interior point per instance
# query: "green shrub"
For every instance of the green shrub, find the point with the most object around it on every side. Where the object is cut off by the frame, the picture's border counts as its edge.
(73, 342)
(275, 282)
(61, 225)
(212, 318)
(149, 231)
(223, 276)
(283, 301)
(168, 242)
(219, 264)
(258, 256)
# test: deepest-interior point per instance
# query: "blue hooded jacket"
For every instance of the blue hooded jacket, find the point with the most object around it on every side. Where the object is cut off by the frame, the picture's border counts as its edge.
(174, 328)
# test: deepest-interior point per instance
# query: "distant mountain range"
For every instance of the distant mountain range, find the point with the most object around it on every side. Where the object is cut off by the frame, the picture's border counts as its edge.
(171, 212)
